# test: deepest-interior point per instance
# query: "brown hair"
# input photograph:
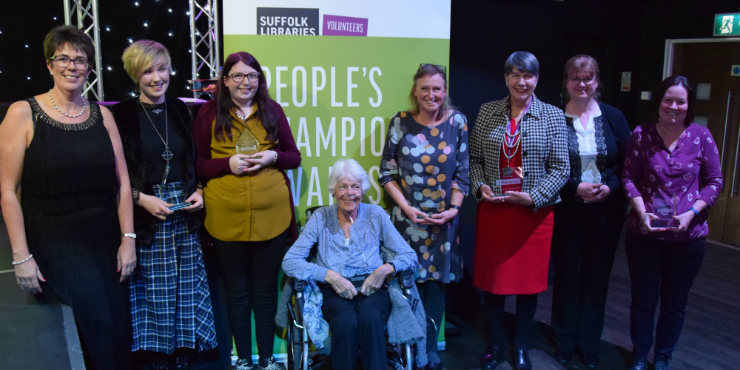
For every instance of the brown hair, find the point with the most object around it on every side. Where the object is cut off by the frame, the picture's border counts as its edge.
(71, 35)
(265, 105)
(581, 62)
(677, 80)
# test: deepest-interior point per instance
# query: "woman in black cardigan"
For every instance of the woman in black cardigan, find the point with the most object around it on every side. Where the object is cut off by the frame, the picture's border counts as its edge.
(589, 219)
(170, 301)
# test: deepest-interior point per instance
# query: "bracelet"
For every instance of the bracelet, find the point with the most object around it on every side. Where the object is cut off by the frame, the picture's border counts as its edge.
(129, 235)
(16, 263)
(275, 159)
(136, 195)
(692, 209)
(454, 206)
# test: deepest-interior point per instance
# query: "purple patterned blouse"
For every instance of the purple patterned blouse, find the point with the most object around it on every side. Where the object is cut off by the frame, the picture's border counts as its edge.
(679, 177)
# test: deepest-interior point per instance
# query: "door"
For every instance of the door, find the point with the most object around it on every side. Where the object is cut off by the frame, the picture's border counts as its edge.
(708, 64)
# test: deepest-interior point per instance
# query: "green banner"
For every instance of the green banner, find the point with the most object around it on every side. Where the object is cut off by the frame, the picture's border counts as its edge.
(338, 93)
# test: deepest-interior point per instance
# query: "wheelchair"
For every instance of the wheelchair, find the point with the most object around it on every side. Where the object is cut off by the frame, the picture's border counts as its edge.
(299, 357)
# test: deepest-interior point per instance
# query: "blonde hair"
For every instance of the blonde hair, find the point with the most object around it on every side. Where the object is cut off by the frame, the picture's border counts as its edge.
(424, 70)
(141, 55)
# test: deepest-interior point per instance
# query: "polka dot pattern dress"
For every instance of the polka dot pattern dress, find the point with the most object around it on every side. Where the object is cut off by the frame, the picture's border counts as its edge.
(427, 163)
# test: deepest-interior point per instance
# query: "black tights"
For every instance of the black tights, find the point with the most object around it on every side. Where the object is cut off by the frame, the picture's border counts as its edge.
(432, 294)
(526, 304)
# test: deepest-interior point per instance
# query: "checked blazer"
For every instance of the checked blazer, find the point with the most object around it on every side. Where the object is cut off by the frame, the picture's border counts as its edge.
(544, 150)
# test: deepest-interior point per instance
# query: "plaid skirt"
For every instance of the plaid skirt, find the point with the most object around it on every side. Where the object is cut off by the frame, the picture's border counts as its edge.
(170, 299)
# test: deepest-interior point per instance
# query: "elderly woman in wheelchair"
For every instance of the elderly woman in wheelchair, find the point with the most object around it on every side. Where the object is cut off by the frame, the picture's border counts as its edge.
(349, 268)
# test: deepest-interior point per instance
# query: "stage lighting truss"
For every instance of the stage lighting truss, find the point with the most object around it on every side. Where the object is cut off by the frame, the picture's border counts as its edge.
(85, 13)
(204, 42)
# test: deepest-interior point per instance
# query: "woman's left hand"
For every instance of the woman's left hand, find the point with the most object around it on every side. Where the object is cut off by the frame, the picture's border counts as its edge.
(683, 220)
(600, 194)
(195, 200)
(126, 258)
(373, 282)
(518, 197)
(443, 217)
(259, 160)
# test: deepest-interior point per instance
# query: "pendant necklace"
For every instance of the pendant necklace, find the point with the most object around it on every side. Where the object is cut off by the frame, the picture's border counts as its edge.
(59, 109)
(512, 140)
(167, 154)
(517, 140)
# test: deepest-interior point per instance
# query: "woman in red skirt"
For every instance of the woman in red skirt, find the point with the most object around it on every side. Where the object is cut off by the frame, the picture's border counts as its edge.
(518, 163)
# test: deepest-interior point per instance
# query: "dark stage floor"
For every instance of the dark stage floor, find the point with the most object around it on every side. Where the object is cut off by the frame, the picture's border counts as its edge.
(40, 335)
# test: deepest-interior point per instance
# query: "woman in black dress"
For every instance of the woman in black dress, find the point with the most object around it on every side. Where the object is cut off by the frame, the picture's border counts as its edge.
(66, 202)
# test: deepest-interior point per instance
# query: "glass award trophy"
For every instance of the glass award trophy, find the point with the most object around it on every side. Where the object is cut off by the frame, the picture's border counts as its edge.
(665, 211)
(247, 143)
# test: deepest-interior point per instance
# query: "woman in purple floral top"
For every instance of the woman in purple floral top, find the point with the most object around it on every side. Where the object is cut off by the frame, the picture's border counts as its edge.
(671, 176)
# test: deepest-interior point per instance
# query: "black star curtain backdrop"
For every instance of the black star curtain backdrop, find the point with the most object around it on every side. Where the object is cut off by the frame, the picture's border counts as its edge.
(24, 23)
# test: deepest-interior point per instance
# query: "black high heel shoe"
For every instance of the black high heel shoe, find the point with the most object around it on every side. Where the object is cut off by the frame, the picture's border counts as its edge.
(521, 359)
(492, 359)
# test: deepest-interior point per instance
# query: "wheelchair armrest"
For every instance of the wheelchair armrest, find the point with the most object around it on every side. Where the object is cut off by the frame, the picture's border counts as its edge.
(405, 278)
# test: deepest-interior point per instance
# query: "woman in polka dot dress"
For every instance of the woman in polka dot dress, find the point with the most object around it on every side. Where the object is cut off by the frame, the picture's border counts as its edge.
(425, 170)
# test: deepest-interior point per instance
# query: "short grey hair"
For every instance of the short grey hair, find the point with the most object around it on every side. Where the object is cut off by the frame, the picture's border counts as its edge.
(348, 168)
(523, 61)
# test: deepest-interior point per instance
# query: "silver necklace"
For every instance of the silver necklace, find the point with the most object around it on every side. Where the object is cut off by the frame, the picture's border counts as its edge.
(167, 154)
(59, 109)
(241, 115)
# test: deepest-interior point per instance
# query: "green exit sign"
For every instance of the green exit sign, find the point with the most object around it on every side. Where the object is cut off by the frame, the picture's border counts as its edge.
(727, 24)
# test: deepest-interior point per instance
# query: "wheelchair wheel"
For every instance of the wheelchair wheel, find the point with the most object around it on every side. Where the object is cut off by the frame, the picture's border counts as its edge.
(295, 349)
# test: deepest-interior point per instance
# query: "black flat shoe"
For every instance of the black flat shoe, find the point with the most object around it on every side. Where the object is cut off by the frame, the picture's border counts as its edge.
(563, 357)
(492, 359)
(521, 359)
(182, 361)
(591, 360)
(639, 363)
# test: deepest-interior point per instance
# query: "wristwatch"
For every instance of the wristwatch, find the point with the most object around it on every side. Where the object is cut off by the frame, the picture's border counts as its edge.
(129, 235)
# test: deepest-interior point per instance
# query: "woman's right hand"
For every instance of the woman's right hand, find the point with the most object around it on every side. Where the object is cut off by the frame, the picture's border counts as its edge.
(343, 287)
(486, 194)
(587, 190)
(28, 275)
(155, 206)
(238, 164)
(415, 215)
(645, 219)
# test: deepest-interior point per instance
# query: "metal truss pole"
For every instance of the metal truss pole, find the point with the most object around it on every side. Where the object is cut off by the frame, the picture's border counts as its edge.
(204, 42)
(87, 21)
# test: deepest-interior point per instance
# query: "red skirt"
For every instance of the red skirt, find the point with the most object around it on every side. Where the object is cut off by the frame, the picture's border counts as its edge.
(512, 248)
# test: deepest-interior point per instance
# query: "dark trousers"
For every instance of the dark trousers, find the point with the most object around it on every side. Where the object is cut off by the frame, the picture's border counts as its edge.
(250, 273)
(660, 270)
(584, 241)
(526, 305)
(357, 324)
(432, 294)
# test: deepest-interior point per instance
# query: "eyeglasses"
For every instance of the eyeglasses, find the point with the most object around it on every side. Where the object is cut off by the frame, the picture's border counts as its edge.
(63, 61)
(586, 81)
(345, 188)
(239, 77)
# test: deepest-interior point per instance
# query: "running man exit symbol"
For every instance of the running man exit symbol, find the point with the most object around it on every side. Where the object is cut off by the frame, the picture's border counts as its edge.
(727, 24)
